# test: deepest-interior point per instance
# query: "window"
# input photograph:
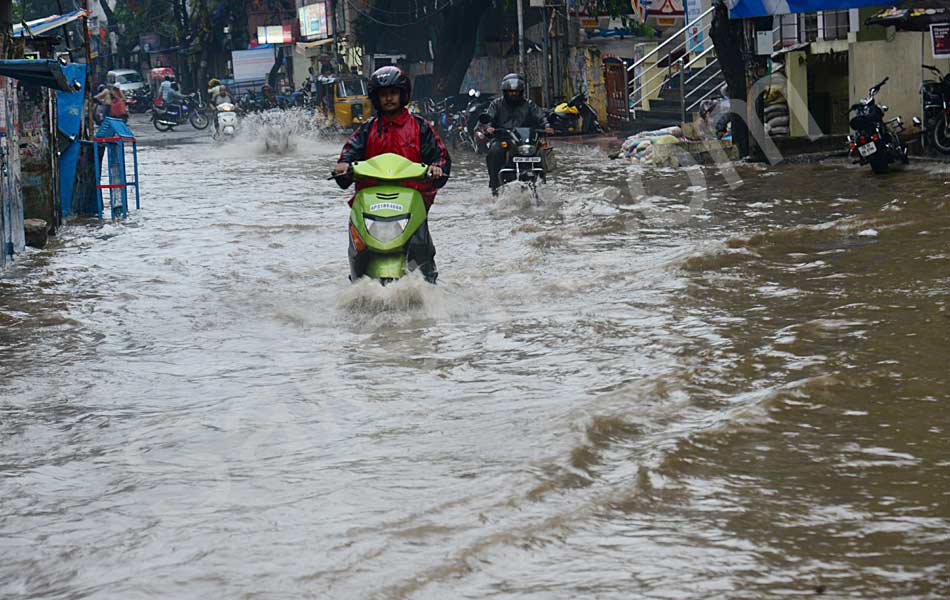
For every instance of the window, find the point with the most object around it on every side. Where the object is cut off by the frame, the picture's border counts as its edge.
(824, 25)
(351, 87)
(129, 78)
(834, 24)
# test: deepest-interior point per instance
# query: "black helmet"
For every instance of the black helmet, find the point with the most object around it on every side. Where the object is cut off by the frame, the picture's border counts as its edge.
(389, 77)
(513, 82)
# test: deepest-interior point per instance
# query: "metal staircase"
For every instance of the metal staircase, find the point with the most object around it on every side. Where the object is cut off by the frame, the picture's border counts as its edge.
(667, 85)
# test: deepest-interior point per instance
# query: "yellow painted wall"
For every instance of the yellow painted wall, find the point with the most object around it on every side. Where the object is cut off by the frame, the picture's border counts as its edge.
(796, 69)
(898, 58)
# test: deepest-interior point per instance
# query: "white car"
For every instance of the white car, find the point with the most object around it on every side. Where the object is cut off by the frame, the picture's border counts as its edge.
(129, 80)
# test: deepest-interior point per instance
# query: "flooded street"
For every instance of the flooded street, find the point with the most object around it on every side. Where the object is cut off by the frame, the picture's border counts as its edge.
(657, 384)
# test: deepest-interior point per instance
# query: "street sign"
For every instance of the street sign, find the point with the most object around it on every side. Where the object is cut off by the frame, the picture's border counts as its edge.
(940, 38)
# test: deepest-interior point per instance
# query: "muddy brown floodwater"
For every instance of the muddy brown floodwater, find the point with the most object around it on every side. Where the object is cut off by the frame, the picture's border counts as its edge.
(656, 384)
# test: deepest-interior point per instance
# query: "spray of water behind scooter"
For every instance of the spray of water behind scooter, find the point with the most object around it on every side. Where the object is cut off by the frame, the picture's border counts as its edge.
(279, 132)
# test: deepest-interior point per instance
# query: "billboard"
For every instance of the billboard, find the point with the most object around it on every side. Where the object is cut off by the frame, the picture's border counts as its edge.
(314, 24)
(252, 65)
(275, 34)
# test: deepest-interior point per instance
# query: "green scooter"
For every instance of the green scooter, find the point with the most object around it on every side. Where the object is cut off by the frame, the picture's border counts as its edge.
(389, 232)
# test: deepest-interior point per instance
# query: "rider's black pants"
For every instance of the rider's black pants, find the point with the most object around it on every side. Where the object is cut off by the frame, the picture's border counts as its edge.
(497, 157)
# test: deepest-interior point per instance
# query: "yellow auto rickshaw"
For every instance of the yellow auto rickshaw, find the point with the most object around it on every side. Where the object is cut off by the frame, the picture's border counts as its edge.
(343, 100)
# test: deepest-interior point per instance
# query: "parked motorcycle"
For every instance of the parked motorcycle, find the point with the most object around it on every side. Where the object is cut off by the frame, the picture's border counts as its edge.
(227, 121)
(388, 232)
(191, 110)
(935, 96)
(574, 117)
(481, 139)
(876, 141)
(139, 101)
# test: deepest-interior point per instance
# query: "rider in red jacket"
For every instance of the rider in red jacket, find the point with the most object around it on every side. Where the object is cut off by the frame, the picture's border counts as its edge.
(395, 130)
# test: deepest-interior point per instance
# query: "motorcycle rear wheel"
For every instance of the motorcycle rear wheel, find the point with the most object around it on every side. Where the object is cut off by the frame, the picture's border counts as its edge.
(160, 126)
(199, 120)
(941, 136)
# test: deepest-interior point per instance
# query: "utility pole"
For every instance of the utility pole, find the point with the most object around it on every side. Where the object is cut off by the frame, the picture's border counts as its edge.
(6, 28)
(545, 63)
(522, 60)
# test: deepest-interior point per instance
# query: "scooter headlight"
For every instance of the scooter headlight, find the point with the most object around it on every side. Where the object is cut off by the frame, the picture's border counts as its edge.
(388, 230)
(526, 150)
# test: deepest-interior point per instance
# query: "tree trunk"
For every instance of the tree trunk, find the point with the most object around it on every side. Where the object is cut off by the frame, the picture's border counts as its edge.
(726, 35)
(6, 16)
(455, 45)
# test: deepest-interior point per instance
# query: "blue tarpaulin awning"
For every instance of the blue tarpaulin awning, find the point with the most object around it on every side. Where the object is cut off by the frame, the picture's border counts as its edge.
(744, 9)
(47, 24)
(48, 73)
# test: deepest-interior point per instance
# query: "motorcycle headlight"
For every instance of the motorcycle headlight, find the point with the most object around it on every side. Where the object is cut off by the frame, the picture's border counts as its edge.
(526, 150)
(386, 231)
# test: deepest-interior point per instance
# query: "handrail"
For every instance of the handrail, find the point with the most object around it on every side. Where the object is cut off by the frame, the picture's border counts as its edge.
(656, 50)
(700, 86)
(644, 84)
(703, 97)
(703, 70)
(699, 56)
(682, 44)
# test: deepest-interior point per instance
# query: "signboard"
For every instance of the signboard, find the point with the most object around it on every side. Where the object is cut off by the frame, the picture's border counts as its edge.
(314, 24)
(640, 8)
(275, 34)
(744, 9)
(665, 12)
(252, 65)
(940, 38)
(694, 33)
(150, 42)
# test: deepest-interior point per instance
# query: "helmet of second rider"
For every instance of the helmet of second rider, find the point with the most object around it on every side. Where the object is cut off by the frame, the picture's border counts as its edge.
(214, 83)
(389, 76)
(513, 87)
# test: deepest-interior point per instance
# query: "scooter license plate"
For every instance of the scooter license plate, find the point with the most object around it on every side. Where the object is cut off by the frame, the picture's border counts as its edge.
(527, 159)
(867, 149)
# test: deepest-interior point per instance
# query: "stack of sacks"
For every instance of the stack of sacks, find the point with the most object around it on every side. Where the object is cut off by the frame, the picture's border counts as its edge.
(640, 146)
(776, 112)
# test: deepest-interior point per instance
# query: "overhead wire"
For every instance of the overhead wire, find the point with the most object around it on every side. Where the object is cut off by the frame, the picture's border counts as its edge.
(425, 17)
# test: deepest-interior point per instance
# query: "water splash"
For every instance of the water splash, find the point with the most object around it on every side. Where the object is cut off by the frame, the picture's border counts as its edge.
(371, 305)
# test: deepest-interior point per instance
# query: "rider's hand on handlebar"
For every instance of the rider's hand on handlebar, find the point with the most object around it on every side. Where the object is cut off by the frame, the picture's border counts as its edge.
(490, 130)
(549, 130)
(435, 172)
(341, 169)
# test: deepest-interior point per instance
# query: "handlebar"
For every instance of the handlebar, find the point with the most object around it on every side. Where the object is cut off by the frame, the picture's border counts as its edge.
(508, 131)
(349, 174)
(875, 89)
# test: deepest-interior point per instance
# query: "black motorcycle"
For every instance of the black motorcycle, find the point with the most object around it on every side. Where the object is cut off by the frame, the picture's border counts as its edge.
(139, 101)
(935, 95)
(529, 158)
(575, 116)
(191, 110)
(875, 141)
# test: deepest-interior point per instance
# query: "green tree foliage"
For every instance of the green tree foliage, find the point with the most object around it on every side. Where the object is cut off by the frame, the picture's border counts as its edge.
(28, 10)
